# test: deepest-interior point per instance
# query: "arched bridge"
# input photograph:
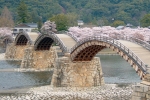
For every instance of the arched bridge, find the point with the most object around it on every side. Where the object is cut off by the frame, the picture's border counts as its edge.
(45, 41)
(133, 53)
(6, 40)
(136, 54)
(15, 50)
(25, 38)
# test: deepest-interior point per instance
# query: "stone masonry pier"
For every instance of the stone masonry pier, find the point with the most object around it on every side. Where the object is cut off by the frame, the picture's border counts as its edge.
(15, 52)
(77, 74)
(39, 59)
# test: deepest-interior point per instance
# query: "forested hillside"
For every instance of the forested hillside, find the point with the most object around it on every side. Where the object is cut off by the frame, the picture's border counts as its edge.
(90, 11)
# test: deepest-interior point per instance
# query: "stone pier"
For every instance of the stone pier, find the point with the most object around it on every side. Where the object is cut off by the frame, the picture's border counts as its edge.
(77, 74)
(15, 52)
(141, 92)
(39, 59)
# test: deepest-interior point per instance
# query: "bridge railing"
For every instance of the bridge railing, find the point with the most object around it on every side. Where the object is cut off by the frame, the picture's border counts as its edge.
(26, 35)
(55, 38)
(118, 45)
(71, 35)
(136, 40)
(59, 42)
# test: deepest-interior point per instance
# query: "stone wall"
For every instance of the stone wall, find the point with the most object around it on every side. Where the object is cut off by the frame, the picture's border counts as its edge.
(77, 74)
(39, 59)
(15, 52)
(141, 92)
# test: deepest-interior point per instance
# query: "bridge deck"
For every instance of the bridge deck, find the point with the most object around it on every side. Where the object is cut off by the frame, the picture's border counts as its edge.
(68, 41)
(138, 50)
(33, 35)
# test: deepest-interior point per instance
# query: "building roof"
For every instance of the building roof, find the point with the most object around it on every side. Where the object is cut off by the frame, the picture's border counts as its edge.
(28, 25)
(80, 21)
(120, 27)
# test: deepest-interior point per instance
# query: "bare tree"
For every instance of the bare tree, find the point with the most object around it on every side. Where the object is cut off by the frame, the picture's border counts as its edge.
(6, 18)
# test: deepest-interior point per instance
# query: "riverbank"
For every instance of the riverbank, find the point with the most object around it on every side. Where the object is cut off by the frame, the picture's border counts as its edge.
(106, 92)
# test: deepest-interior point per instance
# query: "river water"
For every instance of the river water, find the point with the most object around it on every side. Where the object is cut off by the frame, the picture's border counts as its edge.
(115, 69)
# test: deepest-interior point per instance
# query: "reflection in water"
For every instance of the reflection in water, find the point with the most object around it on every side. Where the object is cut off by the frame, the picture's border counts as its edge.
(117, 70)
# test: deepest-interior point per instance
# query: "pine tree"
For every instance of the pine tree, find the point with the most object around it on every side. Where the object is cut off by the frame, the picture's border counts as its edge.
(22, 12)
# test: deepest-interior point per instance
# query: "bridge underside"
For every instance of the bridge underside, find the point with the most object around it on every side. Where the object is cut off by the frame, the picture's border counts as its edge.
(22, 40)
(44, 44)
(88, 53)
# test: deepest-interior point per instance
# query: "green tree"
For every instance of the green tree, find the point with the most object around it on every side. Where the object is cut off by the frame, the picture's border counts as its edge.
(39, 24)
(145, 21)
(72, 19)
(100, 22)
(123, 16)
(22, 12)
(60, 21)
(34, 17)
(117, 23)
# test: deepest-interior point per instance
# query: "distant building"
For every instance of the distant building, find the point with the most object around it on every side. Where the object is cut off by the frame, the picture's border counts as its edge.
(129, 25)
(24, 27)
(120, 27)
(80, 23)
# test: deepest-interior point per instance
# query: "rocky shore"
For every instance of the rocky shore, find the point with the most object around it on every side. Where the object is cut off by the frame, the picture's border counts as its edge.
(106, 92)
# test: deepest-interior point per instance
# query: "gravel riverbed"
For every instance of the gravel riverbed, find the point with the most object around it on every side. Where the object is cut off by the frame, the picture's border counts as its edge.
(106, 92)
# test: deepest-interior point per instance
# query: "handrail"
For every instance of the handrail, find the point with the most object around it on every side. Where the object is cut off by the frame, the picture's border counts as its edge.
(55, 38)
(71, 35)
(59, 41)
(136, 40)
(25, 34)
(117, 44)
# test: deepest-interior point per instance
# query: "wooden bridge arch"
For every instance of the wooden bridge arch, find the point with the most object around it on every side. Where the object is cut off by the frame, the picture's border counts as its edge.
(45, 41)
(6, 40)
(86, 49)
(22, 39)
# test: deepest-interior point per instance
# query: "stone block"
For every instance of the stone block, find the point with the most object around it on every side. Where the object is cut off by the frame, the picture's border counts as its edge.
(146, 88)
(141, 94)
(138, 88)
(134, 93)
(148, 95)
(137, 98)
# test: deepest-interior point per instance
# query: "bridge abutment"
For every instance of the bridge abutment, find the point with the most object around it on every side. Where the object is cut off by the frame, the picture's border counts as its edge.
(77, 74)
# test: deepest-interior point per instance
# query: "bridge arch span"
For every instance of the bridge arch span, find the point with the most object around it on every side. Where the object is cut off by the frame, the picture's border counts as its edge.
(45, 41)
(86, 49)
(9, 38)
(6, 40)
(22, 38)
